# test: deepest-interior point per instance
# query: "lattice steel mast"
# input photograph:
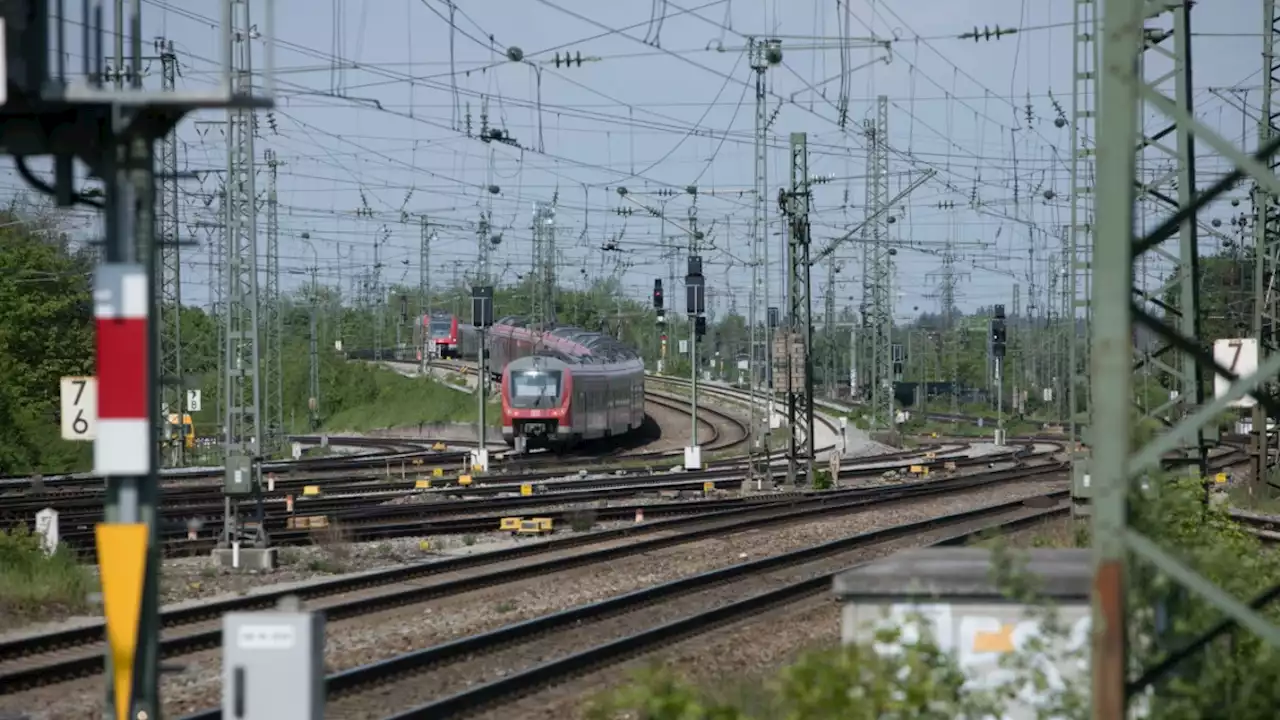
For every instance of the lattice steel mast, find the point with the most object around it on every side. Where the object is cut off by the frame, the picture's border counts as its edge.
(1166, 65)
(761, 54)
(272, 319)
(829, 342)
(543, 273)
(879, 267)
(242, 350)
(169, 325)
(1266, 235)
(1117, 456)
(425, 236)
(1084, 108)
(799, 317)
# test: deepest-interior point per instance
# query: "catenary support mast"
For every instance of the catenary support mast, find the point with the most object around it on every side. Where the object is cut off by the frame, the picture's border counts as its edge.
(799, 342)
(173, 397)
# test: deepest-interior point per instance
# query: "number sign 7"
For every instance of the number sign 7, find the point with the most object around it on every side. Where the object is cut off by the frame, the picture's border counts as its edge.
(79, 401)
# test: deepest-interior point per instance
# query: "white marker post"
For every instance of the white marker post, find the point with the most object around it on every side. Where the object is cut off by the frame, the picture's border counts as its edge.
(47, 529)
(193, 401)
(79, 405)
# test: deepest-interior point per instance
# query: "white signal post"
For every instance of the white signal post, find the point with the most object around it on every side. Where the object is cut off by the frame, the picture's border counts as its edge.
(79, 408)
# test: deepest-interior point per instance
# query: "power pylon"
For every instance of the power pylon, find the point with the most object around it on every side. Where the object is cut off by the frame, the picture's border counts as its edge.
(272, 319)
(169, 327)
(799, 341)
(242, 381)
(879, 267)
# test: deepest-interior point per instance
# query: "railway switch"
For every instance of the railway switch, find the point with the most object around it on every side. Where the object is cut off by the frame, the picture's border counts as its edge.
(273, 664)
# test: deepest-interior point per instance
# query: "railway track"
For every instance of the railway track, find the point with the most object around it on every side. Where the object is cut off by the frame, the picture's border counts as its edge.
(726, 432)
(362, 519)
(590, 636)
(1265, 527)
(381, 452)
(55, 657)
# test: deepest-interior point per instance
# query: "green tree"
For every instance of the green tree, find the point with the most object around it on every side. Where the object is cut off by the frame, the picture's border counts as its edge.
(45, 334)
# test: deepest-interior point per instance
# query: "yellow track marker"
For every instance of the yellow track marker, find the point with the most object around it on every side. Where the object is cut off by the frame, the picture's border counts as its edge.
(122, 559)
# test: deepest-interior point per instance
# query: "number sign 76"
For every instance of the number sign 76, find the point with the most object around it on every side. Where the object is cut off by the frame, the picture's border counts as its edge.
(79, 401)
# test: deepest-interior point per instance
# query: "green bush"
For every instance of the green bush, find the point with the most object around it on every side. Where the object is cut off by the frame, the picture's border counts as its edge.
(822, 480)
(33, 584)
(851, 682)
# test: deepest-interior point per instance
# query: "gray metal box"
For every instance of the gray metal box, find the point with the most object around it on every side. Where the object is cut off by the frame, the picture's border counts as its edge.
(952, 590)
(273, 666)
(238, 477)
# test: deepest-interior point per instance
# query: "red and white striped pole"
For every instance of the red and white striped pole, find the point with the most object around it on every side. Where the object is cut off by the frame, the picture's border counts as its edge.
(121, 308)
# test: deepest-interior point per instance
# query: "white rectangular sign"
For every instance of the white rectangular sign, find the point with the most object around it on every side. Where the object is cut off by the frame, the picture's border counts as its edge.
(79, 408)
(1240, 356)
(193, 401)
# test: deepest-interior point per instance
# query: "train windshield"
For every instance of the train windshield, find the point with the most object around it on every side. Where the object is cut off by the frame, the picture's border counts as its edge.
(441, 329)
(535, 388)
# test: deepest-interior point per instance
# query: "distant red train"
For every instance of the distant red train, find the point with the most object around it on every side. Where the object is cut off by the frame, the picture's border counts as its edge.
(564, 384)
(449, 338)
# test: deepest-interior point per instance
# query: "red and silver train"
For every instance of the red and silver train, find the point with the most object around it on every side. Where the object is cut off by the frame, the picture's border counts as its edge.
(448, 338)
(565, 384)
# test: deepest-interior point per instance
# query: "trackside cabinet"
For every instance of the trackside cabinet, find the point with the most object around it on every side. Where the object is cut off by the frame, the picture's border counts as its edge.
(273, 666)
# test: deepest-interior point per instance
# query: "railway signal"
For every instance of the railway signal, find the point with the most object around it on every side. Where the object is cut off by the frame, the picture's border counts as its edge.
(998, 332)
(482, 318)
(997, 353)
(695, 306)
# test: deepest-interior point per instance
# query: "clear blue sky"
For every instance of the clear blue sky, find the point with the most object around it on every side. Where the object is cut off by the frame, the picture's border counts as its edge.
(376, 110)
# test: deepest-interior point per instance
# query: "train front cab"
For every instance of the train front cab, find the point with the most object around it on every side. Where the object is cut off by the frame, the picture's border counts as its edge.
(443, 332)
(536, 405)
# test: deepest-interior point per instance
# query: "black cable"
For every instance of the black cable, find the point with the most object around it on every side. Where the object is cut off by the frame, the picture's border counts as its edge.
(48, 189)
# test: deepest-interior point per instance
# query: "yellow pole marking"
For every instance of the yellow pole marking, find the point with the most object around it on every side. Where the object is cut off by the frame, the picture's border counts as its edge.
(122, 559)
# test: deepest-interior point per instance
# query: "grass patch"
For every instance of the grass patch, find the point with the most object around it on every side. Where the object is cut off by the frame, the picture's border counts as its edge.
(377, 398)
(335, 549)
(35, 586)
(1048, 533)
